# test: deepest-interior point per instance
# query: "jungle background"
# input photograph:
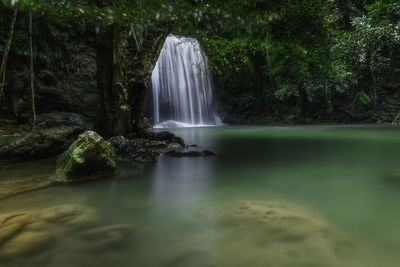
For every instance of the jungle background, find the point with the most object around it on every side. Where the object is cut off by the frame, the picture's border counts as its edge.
(273, 62)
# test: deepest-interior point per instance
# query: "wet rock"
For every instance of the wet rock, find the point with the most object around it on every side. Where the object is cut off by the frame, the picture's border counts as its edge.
(13, 224)
(155, 144)
(45, 140)
(12, 187)
(26, 244)
(28, 233)
(68, 215)
(167, 137)
(105, 236)
(20, 177)
(88, 157)
(393, 176)
(147, 123)
(278, 235)
(189, 153)
(174, 146)
(132, 150)
(31, 238)
(279, 223)
(66, 116)
(12, 128)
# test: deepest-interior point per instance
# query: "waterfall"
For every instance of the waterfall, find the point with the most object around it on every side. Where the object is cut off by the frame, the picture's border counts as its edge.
(182, 91)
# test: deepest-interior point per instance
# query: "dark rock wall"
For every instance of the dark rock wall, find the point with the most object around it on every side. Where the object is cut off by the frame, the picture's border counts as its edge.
(74, 88)
(65, 69)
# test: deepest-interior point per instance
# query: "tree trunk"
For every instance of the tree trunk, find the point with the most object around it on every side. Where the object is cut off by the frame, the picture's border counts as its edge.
(115, 116)
(32, 70)
(6, 51)
(139, 78)
(300, 103)
(123, 92)
(328, 95)
(270, 75)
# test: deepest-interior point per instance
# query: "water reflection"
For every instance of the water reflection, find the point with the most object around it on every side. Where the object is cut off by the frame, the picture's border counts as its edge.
(180, 179)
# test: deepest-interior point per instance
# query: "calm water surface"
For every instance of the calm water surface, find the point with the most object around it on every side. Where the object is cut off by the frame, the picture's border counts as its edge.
(184, 211)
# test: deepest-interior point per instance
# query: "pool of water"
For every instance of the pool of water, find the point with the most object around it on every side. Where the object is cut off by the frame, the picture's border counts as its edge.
(273, 196)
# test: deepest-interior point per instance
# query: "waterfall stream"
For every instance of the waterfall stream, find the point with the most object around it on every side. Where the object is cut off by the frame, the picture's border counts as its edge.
(182, 92)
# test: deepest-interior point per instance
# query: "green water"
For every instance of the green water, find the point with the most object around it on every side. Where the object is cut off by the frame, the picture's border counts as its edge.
(184, 211)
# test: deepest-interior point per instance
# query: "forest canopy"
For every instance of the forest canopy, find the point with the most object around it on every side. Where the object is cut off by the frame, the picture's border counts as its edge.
(315, 58)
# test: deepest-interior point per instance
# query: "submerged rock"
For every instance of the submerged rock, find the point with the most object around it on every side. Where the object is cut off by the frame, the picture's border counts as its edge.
(69, 215)
(13, 224)
(393, 176)
(31, 238)
(45, 140)
(278, 235)
(25, 244)
(278, 222)
(17, 185)
(132, 150)
(89, 156)
(105, 236)
(25, 233)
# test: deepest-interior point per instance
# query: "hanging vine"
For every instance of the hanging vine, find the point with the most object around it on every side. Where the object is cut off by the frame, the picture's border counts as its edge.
(32, 70)
(6, 51)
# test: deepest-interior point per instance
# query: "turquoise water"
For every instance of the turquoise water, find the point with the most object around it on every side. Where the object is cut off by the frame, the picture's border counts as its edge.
(274, 196)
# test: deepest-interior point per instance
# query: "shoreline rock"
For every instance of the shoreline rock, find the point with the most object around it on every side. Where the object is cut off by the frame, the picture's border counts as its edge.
(47, 139)
(132, 150)
(87, 158)
(189, 153)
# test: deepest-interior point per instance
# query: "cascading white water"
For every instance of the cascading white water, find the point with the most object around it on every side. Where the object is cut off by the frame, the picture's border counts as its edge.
(181, 84)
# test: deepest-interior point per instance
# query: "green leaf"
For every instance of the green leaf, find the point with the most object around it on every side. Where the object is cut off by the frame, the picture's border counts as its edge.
(364, 98)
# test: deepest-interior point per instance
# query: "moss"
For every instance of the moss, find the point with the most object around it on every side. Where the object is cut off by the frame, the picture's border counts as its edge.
(88, 155)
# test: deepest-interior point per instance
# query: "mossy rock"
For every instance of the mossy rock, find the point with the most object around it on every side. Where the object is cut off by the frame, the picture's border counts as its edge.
(89, 156)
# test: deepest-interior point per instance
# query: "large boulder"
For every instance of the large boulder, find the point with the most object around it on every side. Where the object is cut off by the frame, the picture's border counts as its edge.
(89, 156)
(47, 139)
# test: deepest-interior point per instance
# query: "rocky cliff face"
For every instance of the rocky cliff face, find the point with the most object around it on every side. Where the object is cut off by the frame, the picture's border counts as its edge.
(64, 81)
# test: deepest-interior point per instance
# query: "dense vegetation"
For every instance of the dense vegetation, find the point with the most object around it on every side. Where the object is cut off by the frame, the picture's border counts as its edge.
(333, 60)
(273, 61)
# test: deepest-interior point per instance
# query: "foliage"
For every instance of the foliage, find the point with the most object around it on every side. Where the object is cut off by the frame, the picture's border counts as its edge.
(331, 50)
(328, 52)
(370, 51)
(364, 98)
